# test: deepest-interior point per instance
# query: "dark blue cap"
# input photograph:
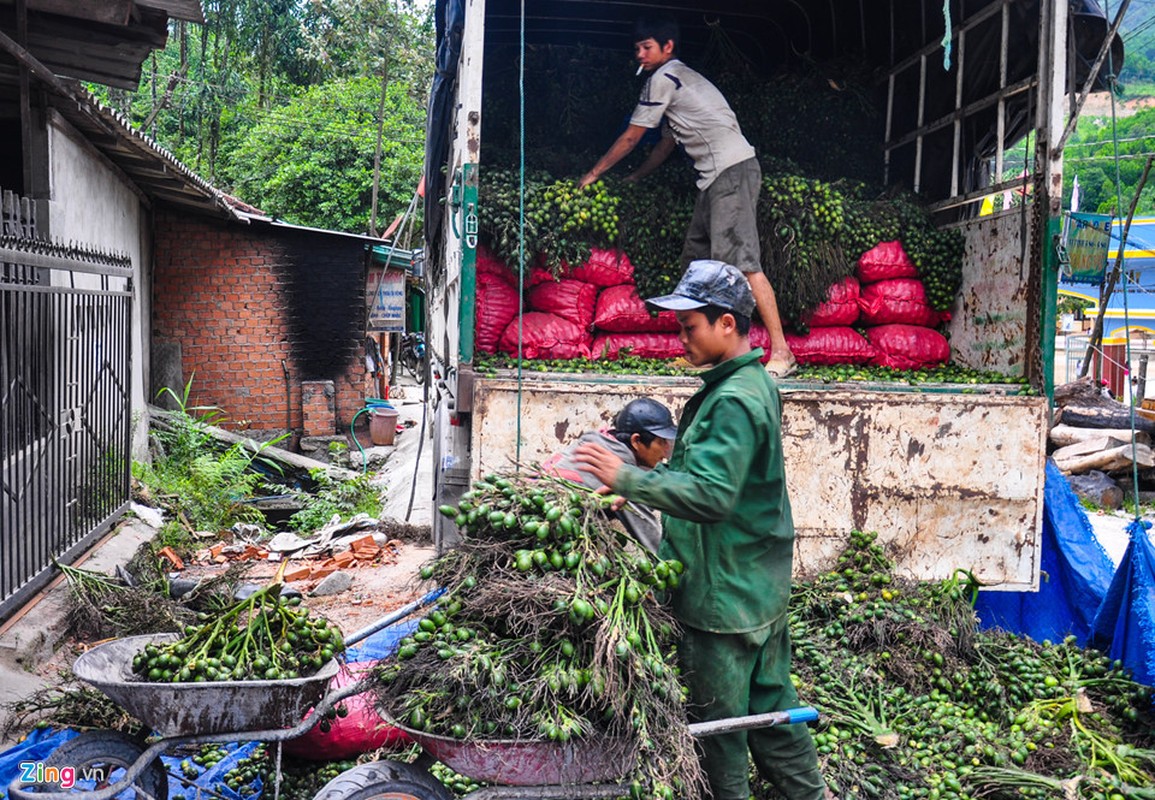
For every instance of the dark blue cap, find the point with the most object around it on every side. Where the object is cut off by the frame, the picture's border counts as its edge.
(710, 283)
(646, 415)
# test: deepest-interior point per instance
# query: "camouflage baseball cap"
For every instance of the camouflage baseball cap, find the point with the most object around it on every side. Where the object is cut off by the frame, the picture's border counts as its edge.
(709, 283)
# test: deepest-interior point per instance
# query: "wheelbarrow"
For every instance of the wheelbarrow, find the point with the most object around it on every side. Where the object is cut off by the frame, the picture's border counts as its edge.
(590, 769)
(188, 714)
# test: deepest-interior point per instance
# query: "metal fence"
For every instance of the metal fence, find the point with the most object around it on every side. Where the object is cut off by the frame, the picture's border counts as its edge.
(65, 406)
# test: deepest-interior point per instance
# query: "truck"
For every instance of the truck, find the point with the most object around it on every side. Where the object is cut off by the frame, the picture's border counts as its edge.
(950, 476)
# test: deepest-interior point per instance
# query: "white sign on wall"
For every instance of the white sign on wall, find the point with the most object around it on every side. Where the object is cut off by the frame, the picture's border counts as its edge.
(386, 301)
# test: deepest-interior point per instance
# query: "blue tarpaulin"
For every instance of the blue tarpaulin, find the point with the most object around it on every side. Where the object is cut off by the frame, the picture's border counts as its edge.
(1125, 624)
(1076, 574)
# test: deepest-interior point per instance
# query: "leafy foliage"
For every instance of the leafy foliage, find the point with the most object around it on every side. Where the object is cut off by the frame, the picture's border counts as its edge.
(258, 68)
(199, 482)
(1090, 155)
(319, 170)
(344, 499)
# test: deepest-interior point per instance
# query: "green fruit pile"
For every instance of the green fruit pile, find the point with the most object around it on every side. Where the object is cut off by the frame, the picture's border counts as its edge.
(918, 702)
(251, 776)
(549, 631)
(263, 637)
(811, 232)
(654, 220)
(561, 222)
(799, 224)
(948, 377)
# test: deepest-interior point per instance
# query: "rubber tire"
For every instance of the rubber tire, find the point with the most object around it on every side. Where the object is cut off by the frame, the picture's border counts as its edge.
(96, 748)
(384, 780)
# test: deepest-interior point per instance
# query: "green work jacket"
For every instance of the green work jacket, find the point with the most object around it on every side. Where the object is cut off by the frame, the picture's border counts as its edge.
(726, 514)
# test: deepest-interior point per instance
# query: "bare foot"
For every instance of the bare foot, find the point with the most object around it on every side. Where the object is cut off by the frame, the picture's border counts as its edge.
(782, 367)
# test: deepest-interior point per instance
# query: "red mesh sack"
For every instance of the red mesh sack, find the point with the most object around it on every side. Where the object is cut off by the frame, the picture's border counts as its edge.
(541, 275)
(546, 336)
(642, 345)
(901, 300)
(883, 261)
(840, 308)
(834, 345)
(362, 730)
(489, 264)
(496, 307)
(605, 268)
(760, 337)
(569, 299)
(620, 310)
(907, 346)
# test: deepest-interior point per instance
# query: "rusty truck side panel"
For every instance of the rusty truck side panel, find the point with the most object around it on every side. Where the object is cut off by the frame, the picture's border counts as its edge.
(949, 480)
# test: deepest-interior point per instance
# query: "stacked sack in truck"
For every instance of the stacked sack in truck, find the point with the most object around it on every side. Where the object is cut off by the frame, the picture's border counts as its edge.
(899, 320)
(593, 310)
(886, 299)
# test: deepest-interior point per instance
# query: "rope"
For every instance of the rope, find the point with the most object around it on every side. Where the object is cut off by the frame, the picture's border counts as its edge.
(947, 39)
(1102, 354)
(1112, 79)
(520, 219)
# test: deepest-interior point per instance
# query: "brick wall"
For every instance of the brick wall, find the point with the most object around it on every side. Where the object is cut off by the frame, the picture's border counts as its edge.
(245, 304)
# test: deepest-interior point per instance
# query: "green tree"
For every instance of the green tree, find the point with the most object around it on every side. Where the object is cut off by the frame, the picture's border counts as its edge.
(311, 161)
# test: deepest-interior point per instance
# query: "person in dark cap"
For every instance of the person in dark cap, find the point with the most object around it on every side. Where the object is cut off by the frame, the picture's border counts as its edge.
(727, 518)
(643, 434)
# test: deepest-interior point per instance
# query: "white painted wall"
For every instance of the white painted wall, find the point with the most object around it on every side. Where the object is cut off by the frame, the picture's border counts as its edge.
(92, 204)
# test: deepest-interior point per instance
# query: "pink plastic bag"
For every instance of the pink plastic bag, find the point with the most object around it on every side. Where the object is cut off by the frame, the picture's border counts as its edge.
(496, 306)
(569, 299)
(362, 730)
(908, 346)
(546, 336)
(840, 308)
(885, 260)
(620, 310)
(832, 345)
(642, 345)
(901, 300)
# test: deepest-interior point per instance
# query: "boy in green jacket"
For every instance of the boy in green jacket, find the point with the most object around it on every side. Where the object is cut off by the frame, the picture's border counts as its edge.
(726, 517)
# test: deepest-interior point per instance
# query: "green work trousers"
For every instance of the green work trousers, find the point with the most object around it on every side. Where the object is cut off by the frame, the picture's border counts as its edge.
(737, 674)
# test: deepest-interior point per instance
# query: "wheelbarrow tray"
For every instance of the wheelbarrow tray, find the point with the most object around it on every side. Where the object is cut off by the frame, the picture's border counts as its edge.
(529, 762)
(188, 709)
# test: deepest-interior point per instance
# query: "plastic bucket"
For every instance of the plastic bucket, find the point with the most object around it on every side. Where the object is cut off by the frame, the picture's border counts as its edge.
(382, 425)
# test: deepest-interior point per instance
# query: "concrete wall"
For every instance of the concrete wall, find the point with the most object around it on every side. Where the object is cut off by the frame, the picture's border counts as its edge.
(92, 204)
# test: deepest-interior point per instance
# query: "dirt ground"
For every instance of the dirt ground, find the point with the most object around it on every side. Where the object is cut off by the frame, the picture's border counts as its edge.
(378, 588)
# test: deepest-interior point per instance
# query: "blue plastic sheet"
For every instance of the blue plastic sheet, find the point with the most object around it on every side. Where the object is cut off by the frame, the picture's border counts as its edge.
(1125, 624)
(36, 747)
(1076, 574)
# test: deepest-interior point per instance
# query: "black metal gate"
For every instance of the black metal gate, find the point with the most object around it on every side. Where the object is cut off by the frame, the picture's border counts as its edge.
(65, 406)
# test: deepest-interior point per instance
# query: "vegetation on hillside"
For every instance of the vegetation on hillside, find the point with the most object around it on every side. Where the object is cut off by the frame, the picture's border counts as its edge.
(280, 103)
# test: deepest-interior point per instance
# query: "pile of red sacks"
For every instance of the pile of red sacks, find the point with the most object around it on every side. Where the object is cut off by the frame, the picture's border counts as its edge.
(887, 299)
(594, 311)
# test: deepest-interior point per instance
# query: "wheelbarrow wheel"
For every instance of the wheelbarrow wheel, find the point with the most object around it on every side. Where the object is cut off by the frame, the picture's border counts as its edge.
(384, 780)
(103, 756)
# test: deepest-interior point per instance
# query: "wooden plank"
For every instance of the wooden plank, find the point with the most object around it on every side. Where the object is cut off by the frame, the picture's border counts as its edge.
(1109, 460)
(1086, 447)
(295, 460)
(111, 12)
(1062, 435)
(1088, 417)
